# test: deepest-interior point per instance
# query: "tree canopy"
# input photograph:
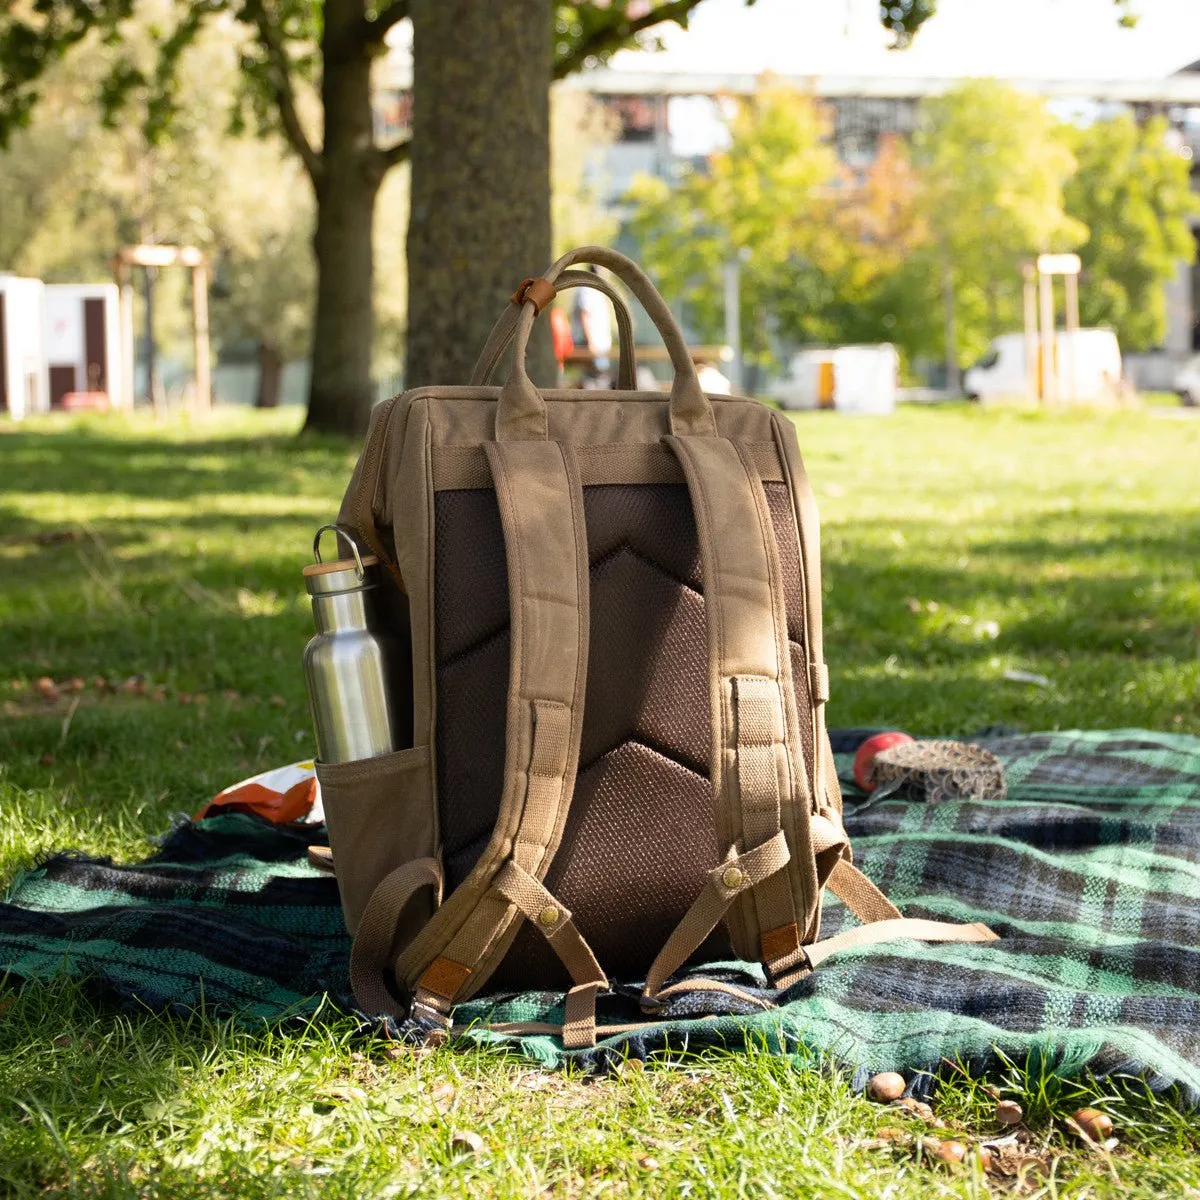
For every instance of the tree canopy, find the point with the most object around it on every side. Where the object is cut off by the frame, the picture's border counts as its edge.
(926, 244)
(1133, 191)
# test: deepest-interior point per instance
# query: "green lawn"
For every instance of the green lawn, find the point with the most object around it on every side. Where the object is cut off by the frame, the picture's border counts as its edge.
(959, 545)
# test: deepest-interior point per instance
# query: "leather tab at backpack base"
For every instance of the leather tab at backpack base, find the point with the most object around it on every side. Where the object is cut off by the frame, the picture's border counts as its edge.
(444, 977)
(780, 942)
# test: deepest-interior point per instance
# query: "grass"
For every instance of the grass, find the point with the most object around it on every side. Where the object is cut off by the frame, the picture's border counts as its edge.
(164, 562)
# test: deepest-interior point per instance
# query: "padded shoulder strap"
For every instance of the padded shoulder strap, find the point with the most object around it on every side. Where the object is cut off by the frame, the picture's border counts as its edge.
(541, 511)
(772, 825)
(760, 788)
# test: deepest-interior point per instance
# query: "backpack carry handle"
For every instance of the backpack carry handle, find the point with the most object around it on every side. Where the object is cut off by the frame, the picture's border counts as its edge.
(521, 411)
(506, 327)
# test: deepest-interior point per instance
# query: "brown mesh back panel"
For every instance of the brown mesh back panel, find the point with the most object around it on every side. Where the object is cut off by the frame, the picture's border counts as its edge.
(641, 833)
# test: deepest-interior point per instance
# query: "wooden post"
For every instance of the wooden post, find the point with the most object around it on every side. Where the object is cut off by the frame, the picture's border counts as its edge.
(200, 332)
(1032, 384)
(1049, 366)
(125, 323)
(1071, 285)
(1071, 281)
(152, 392)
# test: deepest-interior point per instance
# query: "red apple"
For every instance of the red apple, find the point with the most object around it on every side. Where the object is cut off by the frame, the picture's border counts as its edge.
(864, 760)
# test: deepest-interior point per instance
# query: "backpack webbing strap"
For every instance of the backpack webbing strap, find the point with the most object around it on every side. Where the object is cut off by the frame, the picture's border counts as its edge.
(757, 768)
(541, 512)
(824, 780)
(370, 954)
(553, 921)
(859, 894)
(893, 929)
(739, 873)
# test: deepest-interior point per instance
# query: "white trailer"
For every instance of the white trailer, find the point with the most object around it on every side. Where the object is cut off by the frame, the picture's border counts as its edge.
(23, 381)
(849, 379)
(83, 345)
(1086, 367)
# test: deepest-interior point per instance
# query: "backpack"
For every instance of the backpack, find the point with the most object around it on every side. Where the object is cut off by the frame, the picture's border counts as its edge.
(608, 611)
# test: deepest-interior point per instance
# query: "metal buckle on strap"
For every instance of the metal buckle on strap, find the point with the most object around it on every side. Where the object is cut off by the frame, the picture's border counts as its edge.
(429, 1008)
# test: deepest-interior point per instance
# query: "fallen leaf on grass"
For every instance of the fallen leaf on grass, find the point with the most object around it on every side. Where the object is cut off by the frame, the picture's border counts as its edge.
(466, 1141)
(1027, 677)
(342, 1092)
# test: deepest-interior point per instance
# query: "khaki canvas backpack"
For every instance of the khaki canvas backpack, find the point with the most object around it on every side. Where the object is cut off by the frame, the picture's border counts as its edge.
(609, 604)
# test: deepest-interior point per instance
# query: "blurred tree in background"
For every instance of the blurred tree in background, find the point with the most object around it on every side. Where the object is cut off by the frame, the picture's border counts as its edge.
(767, 200)
(881, 225)
(1132, 190)
(480, 146)
(581, 128)
(925, 246)
(993, 164)
(74, 186)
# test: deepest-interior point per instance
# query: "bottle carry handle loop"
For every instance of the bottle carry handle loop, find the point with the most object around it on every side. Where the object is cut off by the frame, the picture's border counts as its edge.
(343, 532)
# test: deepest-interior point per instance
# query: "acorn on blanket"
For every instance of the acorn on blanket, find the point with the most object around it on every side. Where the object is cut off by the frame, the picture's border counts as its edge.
(892, 764)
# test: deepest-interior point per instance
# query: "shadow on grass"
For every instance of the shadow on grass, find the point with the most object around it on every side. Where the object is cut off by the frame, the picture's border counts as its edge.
(85, 459)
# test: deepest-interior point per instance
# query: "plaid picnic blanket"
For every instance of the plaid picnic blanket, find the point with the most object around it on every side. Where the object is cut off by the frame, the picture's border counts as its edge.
(1090, 871)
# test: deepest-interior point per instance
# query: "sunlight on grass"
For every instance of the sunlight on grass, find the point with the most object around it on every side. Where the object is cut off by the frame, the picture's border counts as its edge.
(152, 572)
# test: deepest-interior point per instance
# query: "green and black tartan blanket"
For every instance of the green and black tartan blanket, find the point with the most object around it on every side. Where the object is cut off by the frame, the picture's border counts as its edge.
(1090, 871)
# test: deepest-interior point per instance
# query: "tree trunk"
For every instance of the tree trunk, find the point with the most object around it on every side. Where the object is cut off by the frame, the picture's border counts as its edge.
(270, 375)
(480, 210)
(341, 391)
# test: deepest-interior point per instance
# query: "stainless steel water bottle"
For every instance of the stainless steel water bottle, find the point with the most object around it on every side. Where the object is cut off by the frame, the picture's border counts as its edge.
(347, 664)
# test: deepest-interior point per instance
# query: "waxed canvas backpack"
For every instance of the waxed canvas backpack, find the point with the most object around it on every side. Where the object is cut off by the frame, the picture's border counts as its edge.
(614, 687)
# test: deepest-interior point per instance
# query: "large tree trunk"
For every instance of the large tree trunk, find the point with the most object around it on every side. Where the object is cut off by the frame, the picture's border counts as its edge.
(270, 375)
(341, 391)
(480, 213)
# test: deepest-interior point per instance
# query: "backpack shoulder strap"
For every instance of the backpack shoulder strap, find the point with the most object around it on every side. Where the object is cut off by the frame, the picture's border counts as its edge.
(541, 510)
(771, 822)
(766, 886)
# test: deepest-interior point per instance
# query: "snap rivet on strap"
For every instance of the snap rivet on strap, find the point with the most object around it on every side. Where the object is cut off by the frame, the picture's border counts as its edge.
(732, 878)
(548, 916)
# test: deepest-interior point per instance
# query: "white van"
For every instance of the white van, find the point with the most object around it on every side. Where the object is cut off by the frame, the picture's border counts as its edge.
(849, 379)
(1088, 362)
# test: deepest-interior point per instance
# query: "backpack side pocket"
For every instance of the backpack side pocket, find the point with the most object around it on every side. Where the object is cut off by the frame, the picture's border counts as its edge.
(379, 812)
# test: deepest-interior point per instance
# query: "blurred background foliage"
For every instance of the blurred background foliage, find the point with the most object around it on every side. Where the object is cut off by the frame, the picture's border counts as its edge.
(991, 177)
(922, 247)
